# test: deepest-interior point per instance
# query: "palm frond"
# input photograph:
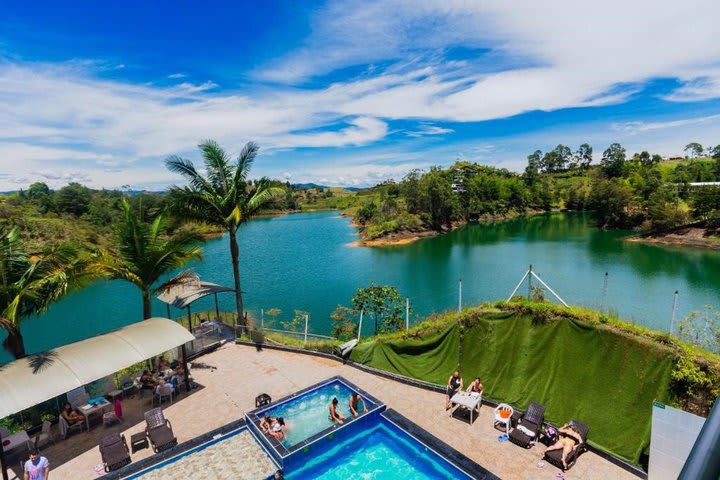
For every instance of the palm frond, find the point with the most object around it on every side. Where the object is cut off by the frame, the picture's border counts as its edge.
(219, 170)
(244, 163)
(186, 168)
(40, 361)
(183, 278)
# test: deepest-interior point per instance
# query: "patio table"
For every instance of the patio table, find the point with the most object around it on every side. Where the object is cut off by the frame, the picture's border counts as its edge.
(89, 410)
(15, 440)
(467, 400)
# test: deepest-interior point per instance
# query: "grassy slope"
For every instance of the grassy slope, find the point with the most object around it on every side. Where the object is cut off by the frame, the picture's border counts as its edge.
(579, 363)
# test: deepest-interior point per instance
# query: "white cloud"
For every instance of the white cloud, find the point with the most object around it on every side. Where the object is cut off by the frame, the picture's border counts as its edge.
(428, 129)
(636, 127)
(177, 75)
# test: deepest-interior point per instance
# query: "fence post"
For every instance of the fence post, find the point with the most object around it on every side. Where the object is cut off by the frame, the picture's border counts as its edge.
(529, 297)
(407, 313)
(605, 291)
(262, 318)
(674, 309)
(360, 325)
(460, 295)
(307, 317)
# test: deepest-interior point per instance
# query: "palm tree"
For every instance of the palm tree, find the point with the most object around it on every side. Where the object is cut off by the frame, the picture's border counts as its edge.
(29, 284)
(224, 197)
(145, 252)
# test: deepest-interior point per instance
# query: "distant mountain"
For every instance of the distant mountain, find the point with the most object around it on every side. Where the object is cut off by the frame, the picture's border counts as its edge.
(305, 186)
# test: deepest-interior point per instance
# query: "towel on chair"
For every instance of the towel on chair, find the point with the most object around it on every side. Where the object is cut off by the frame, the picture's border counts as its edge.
(526, 431)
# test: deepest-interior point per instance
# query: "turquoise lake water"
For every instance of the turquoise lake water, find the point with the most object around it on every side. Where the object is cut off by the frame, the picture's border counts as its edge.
(304, 262)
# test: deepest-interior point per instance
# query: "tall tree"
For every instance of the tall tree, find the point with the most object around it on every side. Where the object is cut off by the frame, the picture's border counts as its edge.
(532, 171)
(583, 156)
(384, 305)
(694, 148)
(29, 284)
(223, 197)
(438, 198)
(145, 252)
(613, 161)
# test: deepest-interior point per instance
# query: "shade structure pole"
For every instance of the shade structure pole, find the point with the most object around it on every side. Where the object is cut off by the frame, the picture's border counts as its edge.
(460, 295)
(674, 310)
(217, 308)
(407, 313)
(307, 318)
(168, 309)
(187, 369)
(3, 466)
(360, 325)
(189, 319)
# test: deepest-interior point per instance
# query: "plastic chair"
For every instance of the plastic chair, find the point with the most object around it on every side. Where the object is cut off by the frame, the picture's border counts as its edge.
(503, 415)
(44, 437)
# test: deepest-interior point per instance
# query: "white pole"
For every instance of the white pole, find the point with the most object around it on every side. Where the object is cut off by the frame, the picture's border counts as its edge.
(518, 286)
(605, 291)
(360, 325)
(674, 309)
(460, 295)
(407, 313)
(262, 318)
(551, 290)
(307, 317)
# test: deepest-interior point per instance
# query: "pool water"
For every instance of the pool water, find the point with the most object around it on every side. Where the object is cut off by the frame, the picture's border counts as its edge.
(308, 414)
(379, 452)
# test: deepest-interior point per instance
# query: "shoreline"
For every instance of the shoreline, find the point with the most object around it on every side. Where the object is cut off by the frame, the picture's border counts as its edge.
(411, 236)
(686, 237)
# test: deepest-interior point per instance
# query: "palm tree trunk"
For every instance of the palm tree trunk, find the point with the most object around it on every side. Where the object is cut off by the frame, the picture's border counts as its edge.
(147, 304)
(235, 254)
(14, 343)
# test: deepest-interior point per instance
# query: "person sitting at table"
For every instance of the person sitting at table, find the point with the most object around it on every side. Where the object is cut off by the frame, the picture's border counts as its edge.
(278, 429)
(334, 415)
(163, 383)
(162, 364)
(455, 384)
(70, 415)
(147, 380)
(355, 401)
(475, 386)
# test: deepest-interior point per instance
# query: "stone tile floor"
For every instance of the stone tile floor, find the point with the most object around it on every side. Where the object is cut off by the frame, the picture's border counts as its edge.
(232, 376)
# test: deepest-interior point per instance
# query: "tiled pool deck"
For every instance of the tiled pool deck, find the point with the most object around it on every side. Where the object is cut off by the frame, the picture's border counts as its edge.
(241, 373)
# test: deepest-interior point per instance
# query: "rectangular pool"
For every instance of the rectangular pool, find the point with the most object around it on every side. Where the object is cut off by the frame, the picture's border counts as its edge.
(308, 414)
(377, 451)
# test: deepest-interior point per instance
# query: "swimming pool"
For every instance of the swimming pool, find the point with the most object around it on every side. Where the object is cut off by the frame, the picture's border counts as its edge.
(307, 415)
(378, 451)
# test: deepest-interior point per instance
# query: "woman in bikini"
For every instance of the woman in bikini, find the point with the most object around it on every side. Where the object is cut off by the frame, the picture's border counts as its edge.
(71, 416)
(278, 429)
(334, 416)
(475, 386)
(569, 440)
(455, 384)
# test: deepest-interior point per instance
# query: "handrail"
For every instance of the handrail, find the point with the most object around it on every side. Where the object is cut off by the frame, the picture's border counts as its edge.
(703, 463)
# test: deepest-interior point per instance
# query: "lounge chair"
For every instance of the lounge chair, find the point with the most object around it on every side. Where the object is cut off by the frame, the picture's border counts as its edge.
(555, 456)
(159, 430)
(528, 428)
(114, 452)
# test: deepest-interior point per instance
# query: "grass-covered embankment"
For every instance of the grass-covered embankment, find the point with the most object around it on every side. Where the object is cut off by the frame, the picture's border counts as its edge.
(580, 364)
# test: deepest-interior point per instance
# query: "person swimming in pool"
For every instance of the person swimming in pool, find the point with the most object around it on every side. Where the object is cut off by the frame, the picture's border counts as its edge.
(334, 415)
(355, 401)
(278, 429)
(266, 423)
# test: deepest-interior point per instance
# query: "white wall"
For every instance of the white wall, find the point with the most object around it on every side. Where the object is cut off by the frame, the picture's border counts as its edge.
(673, 436)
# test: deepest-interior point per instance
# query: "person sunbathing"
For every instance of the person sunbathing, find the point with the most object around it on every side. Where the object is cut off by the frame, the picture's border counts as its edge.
(334, 416)
(70, 415)
(569, 440)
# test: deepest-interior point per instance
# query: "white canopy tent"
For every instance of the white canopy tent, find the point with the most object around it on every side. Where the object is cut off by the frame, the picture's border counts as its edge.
(71, 366)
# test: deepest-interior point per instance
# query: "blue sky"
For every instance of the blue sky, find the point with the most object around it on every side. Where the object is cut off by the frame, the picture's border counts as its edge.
(345, 92)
